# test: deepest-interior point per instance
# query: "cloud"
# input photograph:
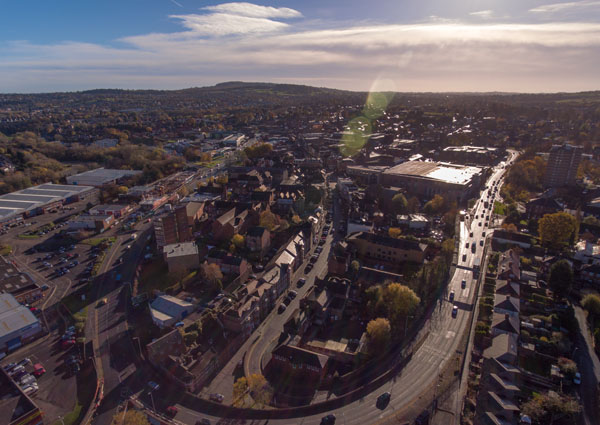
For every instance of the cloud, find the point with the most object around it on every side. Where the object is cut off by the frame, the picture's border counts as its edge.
(563, 7)
(219, 24)
(220, 46)
(483, 14)
(254, 10)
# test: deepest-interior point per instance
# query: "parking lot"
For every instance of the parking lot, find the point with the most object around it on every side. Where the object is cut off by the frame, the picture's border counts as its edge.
(57, 387)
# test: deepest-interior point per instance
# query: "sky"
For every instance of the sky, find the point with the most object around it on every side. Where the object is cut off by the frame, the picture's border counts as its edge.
(400, 45)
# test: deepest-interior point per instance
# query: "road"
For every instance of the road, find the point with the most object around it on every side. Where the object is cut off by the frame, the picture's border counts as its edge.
(422, 372)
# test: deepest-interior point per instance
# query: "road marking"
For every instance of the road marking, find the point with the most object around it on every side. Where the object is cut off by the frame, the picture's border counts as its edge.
(450, 334)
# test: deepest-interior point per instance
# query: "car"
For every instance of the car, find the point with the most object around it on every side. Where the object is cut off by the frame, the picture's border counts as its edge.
(308, 268)
(179, 324)
(216, 397)
(479, 224)
(75, 368)
(102, 302)
(26, 361)
(9, 367)
(463, 283)
(203, 421)
(153, 385)
(577, 378)
(67, 343)
(38, 369)
(27, 379)
(281, 308)
(481, 242)
(44, 287)
(467, 245)
(30, 389)
(293, 294)
(464, 257)
(287, 300)
(483, 233)
(454, 311)
(328, 420)
(301, 282)
(383, 400)
(172, 411)
(471, 234)
(16, 370)
(451, 296)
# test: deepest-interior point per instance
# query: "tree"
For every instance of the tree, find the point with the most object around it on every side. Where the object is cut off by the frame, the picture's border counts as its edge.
(254, 385)
(394, 232)
(560, 279)
(238, 240)
(399, 301)
(399, 203)
(130, 417)
(591, 303)
(557, 229)
(355, 266)
(448, 249)
(190, 337)
(269, 220)
(212, 274)
(545, 408)
(435, 205)
(379, 333)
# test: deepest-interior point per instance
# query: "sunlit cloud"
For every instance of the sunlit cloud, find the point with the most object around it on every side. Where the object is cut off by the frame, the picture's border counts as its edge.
(242, 41)
(566, 6)
(254, 10)
(482, 14)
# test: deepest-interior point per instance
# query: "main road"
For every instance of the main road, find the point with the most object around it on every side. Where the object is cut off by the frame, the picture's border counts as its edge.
(421, 374)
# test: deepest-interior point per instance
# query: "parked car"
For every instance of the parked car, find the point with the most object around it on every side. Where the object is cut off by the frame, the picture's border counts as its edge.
(27, 379)
(26, 361)
(172, 411)
(383, 400)
(328, 420)
(38, 369)
(203, 421)
(216, 397)
(281, 308)
(67, 343)
(301, 282)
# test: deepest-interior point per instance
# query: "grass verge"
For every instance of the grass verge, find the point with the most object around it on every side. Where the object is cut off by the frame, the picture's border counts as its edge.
(98, 241)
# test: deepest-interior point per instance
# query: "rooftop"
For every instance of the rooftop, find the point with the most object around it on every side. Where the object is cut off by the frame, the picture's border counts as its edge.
(13, 316)
(180, 249)
(443, 172)
(100, 176)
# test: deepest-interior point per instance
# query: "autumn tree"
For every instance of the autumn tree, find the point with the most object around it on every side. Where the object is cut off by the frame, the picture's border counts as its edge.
(130, 417)
(547, 407)
(212, 274)
(269, 220)
(399, 203)
(557, 229)
(560, 279)
(256, 386)
(379, 333)
(435, 205)
(399, 302)
(238, 240)
(394, 232)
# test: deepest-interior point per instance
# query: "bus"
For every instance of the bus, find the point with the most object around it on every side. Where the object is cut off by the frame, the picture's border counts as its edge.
(476, 267)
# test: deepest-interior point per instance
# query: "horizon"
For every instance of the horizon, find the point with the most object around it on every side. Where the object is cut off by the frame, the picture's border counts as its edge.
(417, 46)
(501, 93)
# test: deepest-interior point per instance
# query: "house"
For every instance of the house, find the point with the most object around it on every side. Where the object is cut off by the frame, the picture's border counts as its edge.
(229, 264)
(229, 223)
(413, 221)
(167, 310)
(509, 265)
(587, 252)
(505, 323)
(507, 287)
(298, 362)
(258, 239)
(378, 249)
(537, 207)
(505, 237)
(279, 275)
(505, 304)
(170, 344)
(181, 257)
(591, 273)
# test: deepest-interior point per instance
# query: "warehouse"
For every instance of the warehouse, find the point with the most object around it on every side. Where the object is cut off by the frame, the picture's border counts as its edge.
(18, 325)
(39, 199)
(101, 177)
(427, 179)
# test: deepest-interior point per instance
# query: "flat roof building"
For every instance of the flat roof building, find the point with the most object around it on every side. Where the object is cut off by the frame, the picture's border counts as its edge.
(37, 199)
(101, 176)
(18, 325)
(16, 408)
(432, 178)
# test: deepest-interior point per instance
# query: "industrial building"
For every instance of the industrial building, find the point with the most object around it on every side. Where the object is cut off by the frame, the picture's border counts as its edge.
(18, 284)
(18, 325)
(428, 179)
(38, 199)
(101, 177)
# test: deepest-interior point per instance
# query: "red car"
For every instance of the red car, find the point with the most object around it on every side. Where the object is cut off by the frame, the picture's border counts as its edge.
(38, 369)
(67, 343)
(172, 411)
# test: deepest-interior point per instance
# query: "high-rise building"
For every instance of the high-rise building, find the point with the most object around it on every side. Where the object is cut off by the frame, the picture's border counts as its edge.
(562, 165)
(177, 225)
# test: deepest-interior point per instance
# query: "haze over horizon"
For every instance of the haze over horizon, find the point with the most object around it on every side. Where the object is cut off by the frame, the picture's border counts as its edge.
(415, 46)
